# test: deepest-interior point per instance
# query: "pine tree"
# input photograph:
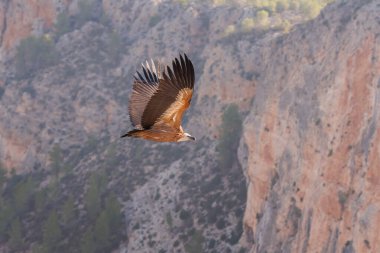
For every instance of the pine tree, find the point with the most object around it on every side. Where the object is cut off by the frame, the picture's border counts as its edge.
(22, 195)
(2, 177)
(38, 248)
(62, 25)
(88, 244)
(92, 198)
(34, 54)
(15, 236)
(229, 140)
(68, 211)
(40, 200)
(6, 216)
(51, 232)
(114, 217)
(102, 233)
(56, 159)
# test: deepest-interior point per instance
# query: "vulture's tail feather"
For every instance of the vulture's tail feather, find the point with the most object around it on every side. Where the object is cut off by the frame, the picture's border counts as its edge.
(131, 133)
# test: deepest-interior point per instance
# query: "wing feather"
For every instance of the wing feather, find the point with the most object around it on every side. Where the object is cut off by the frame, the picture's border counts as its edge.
(144, 86)
(177, 71)
(185, 69)
(173, 95)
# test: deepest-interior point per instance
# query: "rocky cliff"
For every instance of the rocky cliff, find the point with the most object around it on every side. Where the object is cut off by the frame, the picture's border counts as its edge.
(308, 144)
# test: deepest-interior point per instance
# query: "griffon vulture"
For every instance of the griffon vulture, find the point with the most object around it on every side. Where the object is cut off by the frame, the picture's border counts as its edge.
(159, 99)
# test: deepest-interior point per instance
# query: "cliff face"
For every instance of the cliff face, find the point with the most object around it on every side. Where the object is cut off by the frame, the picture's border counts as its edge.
(21, 18)
(311, 141)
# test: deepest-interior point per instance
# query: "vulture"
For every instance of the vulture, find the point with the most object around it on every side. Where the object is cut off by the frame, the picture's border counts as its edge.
(159, 99)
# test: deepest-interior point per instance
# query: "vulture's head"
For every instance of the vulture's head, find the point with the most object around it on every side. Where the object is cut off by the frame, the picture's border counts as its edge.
(186, 137)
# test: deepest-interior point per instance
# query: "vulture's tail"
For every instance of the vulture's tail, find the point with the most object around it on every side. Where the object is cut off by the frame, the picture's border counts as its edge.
(131, 133)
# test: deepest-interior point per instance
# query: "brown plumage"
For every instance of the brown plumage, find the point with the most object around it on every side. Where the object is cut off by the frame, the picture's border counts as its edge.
(159, 99)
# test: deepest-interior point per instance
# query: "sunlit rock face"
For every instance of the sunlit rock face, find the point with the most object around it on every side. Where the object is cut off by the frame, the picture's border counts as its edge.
(311, 143)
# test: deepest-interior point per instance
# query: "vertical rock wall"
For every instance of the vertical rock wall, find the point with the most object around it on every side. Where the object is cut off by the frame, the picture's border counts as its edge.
(312, 139)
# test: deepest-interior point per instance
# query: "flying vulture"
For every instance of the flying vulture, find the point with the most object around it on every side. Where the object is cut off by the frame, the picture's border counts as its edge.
(159, 99)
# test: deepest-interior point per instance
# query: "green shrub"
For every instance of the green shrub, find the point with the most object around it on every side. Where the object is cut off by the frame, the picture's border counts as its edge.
(3, 173)
(33, 54)
(40, 200)
(30, 90)
(231, 29)
(87, 242)
(68, 211)
(294, 5)
(169, 219)
(310, 8)
(86, 11)
(262, 18)
(16, 242)
(286, 26)
(22, 195)
(282, 5)
(102, 233)
(254, 3)
(184, 215)
(270, 5)
(114, 216)
(2, 91)
(92, 198)
(6, 216)
(219, 2)
(230, 132)
(154, 20)
(62, 24)
(52, 232)
(183, 2)
(56, 159)
(247, 24)
(195, 243)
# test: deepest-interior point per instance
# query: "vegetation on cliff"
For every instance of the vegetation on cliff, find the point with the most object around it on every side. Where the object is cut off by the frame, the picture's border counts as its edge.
(52, 219)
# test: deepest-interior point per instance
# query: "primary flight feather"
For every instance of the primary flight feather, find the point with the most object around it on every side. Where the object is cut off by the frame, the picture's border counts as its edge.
(159, 99)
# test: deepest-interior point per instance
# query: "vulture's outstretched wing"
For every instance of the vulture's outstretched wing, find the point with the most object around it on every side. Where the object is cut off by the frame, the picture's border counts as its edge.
(172, 97)
(144, 86)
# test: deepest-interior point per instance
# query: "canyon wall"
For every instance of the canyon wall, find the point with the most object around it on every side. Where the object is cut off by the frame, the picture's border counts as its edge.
(311, 141)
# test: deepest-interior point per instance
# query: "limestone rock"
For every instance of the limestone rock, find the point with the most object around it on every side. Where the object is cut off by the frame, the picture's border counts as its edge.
(312, 138)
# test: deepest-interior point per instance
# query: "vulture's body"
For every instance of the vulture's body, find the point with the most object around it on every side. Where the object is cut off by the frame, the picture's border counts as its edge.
(159, 99)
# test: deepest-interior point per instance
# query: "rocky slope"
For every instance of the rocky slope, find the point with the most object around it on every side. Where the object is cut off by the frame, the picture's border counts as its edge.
(311, 141)
(308, 146)
(60, 132)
